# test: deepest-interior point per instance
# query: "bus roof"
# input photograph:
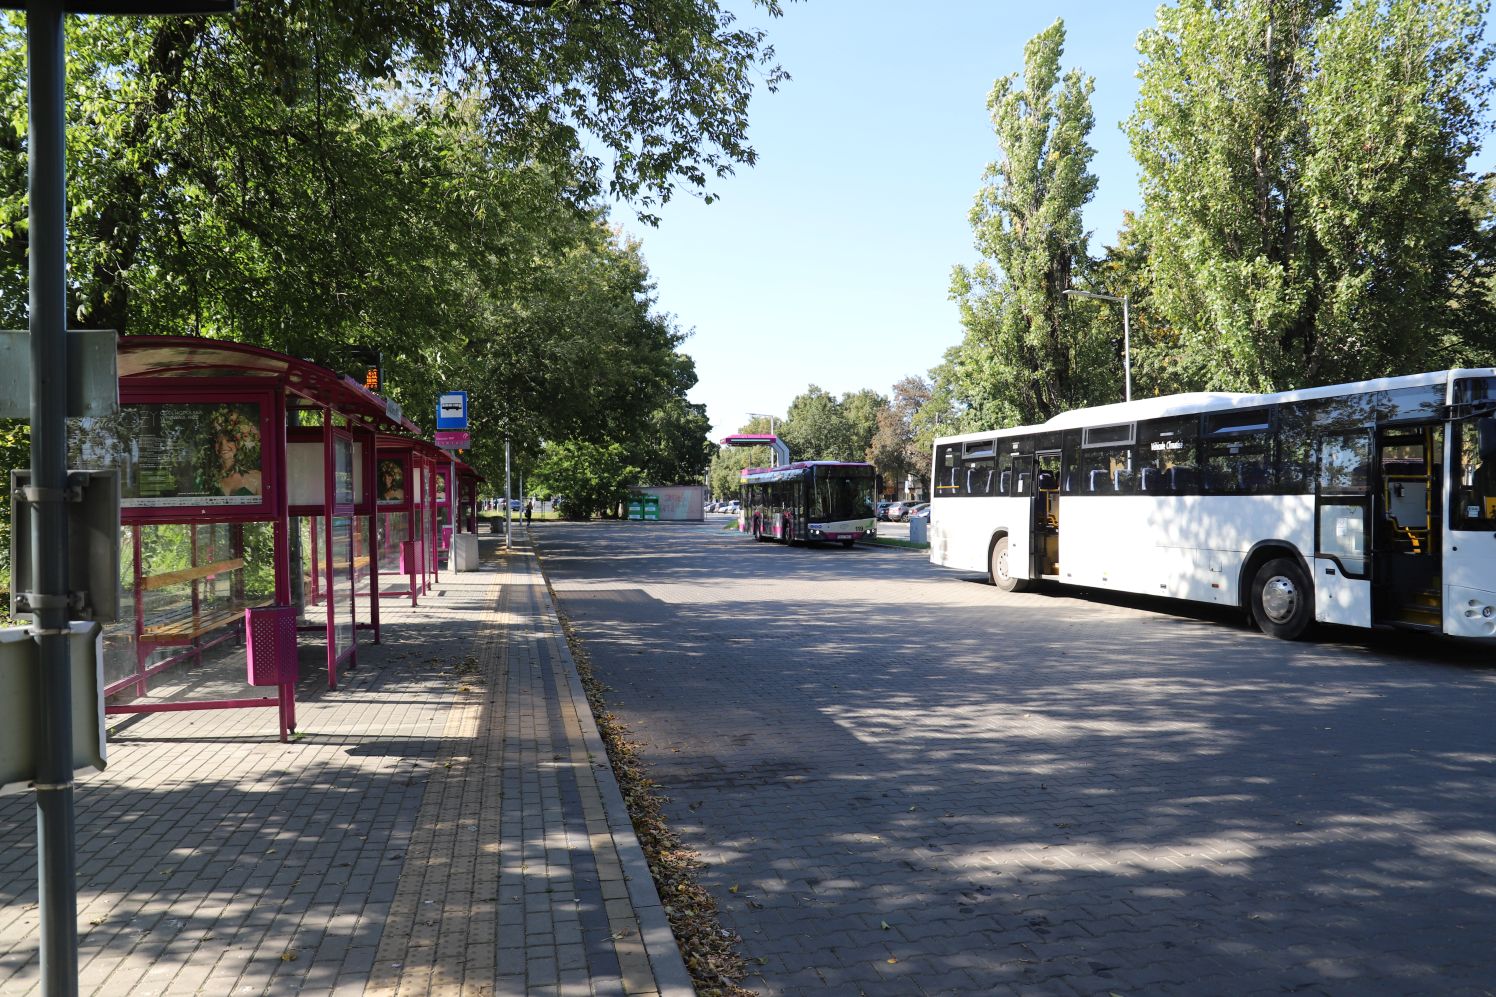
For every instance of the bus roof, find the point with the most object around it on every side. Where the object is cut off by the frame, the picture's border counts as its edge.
(1195, 402)
(801, 465)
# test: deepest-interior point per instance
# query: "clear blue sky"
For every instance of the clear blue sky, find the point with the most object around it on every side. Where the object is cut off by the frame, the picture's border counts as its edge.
(829, 261)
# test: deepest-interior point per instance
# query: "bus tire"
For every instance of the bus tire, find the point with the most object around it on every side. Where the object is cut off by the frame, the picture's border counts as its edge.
(1283, 599)
(997, 569)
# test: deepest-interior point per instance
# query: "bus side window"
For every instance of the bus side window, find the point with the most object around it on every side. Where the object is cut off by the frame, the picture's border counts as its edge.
(1239, 465)
(1023, 475)
(976, 477)
(1295, 448)
(1344, 459)
(946, 472)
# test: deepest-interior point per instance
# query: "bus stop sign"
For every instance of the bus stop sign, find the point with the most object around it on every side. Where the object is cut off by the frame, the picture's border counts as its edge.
(452, 410)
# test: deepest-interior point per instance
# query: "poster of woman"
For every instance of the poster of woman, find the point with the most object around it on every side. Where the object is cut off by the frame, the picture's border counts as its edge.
(391, 482)
(235, 462)
(177, 453)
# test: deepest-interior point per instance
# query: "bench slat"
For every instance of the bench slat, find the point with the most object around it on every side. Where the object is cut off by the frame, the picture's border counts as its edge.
(167, 578)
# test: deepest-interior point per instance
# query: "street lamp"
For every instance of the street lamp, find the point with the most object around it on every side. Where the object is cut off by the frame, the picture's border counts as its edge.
(1126, 332)
(763, 415)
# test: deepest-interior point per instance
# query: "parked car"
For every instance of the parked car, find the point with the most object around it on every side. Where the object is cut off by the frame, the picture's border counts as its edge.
(898, 511)
(883, 511)
(921, 511)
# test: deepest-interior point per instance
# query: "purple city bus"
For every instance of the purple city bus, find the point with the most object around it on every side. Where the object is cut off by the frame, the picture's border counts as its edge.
(813, 500)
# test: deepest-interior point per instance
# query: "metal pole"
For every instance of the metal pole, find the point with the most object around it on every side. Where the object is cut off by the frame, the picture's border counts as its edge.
(508, 514)
(56, 886)
(1126, 349)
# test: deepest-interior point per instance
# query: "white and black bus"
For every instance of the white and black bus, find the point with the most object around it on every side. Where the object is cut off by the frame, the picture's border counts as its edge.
(1362, 504)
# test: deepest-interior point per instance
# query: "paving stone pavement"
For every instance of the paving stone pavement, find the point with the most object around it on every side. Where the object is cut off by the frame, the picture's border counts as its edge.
(446, 823)
(906, 782)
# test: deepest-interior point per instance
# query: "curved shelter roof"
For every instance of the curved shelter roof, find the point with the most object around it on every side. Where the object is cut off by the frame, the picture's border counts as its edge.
(195, 357)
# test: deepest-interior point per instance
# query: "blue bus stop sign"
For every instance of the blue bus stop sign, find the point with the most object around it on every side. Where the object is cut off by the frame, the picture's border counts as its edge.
(452, 410)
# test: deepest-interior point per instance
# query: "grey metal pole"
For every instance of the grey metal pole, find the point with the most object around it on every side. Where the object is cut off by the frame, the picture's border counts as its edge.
(508, 514)
(56, 879)
(1126, 349)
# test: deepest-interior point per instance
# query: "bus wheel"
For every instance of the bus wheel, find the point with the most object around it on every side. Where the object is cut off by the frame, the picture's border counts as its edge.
(997, 569)
(1282, 599)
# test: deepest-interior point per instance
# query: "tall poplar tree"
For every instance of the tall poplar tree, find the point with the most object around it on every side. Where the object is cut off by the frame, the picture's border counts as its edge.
(1026, 355)
(1308, 213)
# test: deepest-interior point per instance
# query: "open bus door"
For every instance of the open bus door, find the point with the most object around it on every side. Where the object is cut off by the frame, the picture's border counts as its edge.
(1045, 518)
(1342, 529)
(1407, 538)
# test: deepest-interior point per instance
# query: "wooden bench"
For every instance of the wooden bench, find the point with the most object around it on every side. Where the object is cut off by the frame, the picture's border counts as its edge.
(192, 626)
(168, 578)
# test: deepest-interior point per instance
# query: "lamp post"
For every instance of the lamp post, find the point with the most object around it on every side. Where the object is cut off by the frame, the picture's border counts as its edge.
(1126, 332)
(46, 72)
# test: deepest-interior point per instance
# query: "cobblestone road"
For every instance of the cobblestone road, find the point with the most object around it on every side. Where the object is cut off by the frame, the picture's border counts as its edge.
(905, 781)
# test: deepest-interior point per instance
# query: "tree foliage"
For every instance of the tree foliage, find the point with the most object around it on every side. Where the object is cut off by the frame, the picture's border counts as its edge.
(820, 426)
(417, 179)
(899, 448)
(591, 479)
(1026, 356)
(1308, 216)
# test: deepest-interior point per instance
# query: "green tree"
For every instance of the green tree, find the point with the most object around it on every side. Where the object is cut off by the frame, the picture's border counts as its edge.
(728, 462)
(173, 113)
(820, 426)
(814, 427)
(1025, 356)
(896, 448)
(861, 410)
(591, 478)
(1307, 209)
(676, 450)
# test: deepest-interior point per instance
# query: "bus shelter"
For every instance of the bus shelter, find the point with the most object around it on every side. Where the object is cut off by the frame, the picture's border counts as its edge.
(454, 477)
(231, 458)
(403, 517)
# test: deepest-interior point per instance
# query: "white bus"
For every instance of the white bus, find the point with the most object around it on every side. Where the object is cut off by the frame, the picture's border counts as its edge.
(1369, 504)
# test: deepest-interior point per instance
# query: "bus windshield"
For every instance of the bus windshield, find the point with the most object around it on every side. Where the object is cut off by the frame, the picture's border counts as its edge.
(841, 496)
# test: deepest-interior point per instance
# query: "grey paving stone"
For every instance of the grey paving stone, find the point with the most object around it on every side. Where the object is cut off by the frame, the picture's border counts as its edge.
(408, 784)
(855, 736)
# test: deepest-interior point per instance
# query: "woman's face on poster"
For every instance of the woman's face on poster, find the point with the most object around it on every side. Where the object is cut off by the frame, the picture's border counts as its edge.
(226, 449)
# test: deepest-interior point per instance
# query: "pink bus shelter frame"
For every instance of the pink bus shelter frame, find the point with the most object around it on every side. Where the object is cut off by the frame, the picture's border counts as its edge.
(164, 370)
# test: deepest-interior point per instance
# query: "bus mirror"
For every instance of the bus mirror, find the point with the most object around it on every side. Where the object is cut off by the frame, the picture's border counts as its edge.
(1485, 438)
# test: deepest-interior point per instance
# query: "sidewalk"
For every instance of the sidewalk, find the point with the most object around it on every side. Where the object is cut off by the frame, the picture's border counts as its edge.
(446, 823)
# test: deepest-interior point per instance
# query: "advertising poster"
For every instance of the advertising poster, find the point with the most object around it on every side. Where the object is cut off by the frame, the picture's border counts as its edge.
(177, 454)
(391, 489)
